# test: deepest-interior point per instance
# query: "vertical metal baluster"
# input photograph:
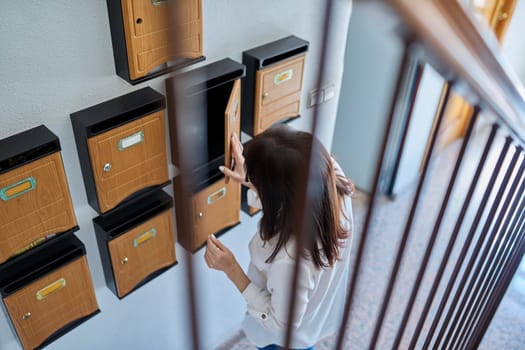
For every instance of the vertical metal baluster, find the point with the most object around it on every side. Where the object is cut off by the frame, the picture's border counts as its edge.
(405, 65)
(453, 238)
(437, 225)
(467, 301)
(457, 227)
(497, 294)
(497, 260)
(466, 246)
(187, 155)
(517, 228)
(408, 226)
(309, 194)
(418, 75)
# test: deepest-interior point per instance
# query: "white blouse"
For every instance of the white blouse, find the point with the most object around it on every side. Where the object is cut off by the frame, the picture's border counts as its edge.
(320, 294)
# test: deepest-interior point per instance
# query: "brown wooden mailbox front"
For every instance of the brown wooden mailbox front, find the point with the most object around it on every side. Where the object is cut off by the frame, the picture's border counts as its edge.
(141, 34)
(121, 144)
(136, 242)
(48, 291)
(35, 203)
(272, 88)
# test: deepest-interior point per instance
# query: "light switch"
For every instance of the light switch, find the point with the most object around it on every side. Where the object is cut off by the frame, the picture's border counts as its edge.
(315, 97)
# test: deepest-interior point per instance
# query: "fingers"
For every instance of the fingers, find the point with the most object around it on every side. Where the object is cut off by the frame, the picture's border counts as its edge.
(228, 172)
(236, 141)
(218, 244)
(212, 256)
(212, 247)
(208, 259)
(217, 256)
(237, 149)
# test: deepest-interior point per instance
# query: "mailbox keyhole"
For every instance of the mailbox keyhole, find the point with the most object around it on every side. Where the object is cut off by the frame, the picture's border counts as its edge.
(139, 20)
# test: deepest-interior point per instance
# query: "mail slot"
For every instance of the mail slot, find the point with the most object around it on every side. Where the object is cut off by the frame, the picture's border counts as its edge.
(48, 291)
(121, 145)
(272, 88)
(136, 242)
(35, 203)
(140, 32)
(200, 129)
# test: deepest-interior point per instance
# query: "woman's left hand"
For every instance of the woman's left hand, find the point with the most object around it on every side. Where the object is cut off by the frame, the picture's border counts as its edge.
(218, 256)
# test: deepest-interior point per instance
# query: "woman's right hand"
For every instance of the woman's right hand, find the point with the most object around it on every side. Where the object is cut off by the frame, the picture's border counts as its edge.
(238, 172)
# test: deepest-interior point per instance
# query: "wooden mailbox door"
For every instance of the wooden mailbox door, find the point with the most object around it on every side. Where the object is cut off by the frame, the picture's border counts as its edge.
(278, 92)
(129, 158)
(147, 32)
(141, 251)
(232, 121)
(52, 302)
(34, 202)
(188, 19)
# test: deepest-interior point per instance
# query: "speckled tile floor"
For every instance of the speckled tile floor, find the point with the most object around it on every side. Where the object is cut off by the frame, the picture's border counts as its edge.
(507, 330)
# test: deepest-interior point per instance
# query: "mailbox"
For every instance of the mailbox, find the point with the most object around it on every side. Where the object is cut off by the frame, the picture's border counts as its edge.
(140, 33)
(122, 148)
(203, 115)
(35, 203)
(136, 242)
(48, 291)
(271, 91)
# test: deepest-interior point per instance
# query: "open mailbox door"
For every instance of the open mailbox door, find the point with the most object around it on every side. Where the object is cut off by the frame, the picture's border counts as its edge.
(232, 122)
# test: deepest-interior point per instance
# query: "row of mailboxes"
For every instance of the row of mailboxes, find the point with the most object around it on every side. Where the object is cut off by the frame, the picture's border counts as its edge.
(45, 282)
(122, 147)
(121, 143)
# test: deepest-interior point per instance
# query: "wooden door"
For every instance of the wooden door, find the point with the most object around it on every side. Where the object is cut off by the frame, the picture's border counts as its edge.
(34, 203)
(278, 92)
(141, 251)
(497, 14)
(129, 158)
(41, 308)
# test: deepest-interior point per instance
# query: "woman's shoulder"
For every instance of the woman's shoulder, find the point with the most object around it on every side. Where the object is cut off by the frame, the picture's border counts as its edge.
(261, 248)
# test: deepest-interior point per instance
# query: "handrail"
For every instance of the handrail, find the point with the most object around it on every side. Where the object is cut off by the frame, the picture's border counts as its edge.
(457, 44)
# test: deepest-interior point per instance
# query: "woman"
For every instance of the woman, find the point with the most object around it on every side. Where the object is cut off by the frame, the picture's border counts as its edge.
(273, 163)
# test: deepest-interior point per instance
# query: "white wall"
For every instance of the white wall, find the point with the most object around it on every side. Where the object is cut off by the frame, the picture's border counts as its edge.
(57, 59)
(372, 60)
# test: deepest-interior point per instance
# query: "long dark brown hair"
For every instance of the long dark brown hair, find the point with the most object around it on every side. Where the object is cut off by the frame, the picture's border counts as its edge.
(275, 161)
